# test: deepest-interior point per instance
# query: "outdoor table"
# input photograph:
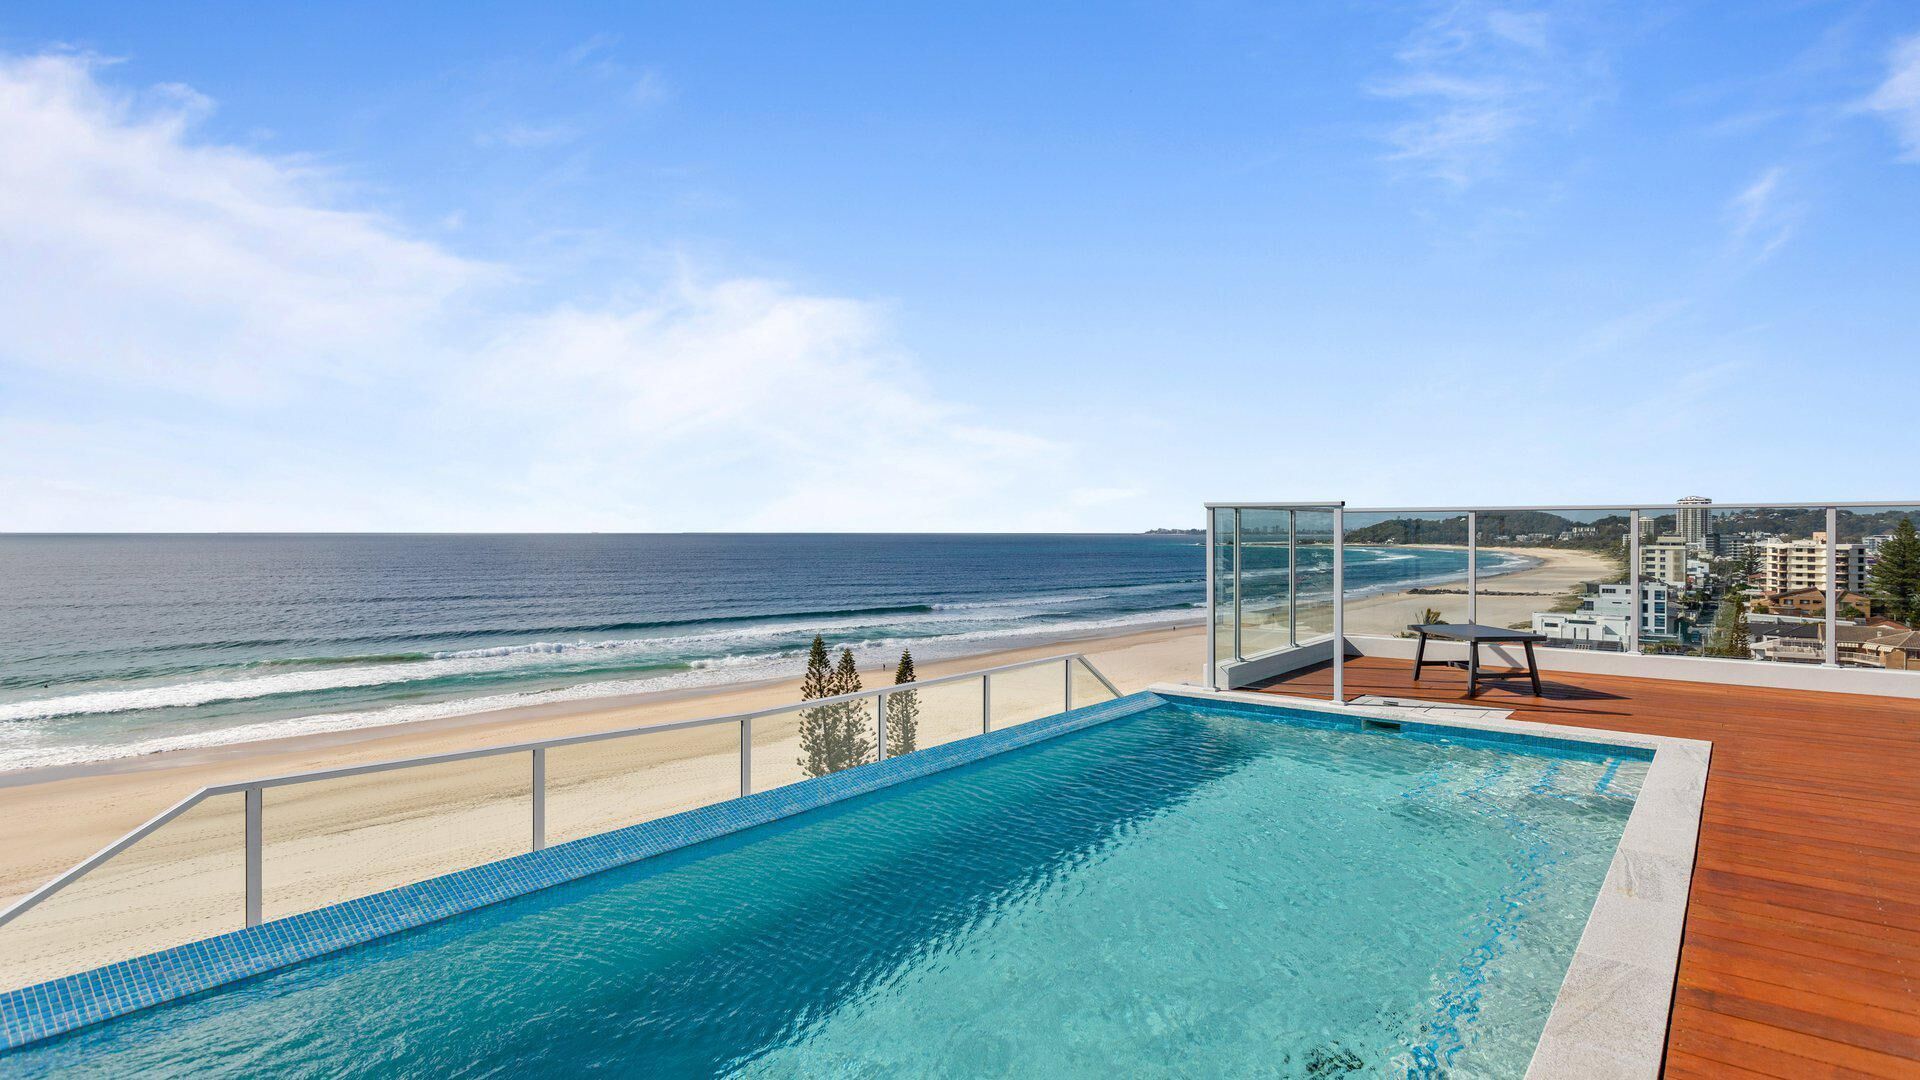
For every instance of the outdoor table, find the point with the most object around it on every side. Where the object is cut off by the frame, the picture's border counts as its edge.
(1474, 635)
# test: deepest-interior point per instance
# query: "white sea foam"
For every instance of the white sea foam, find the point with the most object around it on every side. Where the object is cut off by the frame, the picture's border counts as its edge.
(20, 749)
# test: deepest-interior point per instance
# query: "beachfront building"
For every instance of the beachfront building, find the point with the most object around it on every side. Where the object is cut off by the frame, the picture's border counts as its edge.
(1788, 565)
(1692, 514)
(1582, 630)
(1605, 614)
(1665, 559)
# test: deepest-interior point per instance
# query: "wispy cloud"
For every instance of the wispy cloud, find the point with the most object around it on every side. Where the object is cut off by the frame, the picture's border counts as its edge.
(1473, 78)
(530, 136)
(1898, 98)
(1762, 219)
(644, 87)
(251, 355)
(593, 49)
(649, 88)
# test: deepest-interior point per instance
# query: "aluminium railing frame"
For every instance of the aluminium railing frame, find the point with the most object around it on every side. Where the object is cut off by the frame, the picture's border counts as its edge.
(253, 791)
(1339, 510)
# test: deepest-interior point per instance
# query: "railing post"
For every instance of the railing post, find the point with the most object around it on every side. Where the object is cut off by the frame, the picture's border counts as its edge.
(1339, 605)
(986, 704)
(1473, 566)
(539, 797)
(1238, 652)
(1293, 578)
(746, 757)
(880, 726)
(1633, 583)
(1066, 681)
(1213, 620)
(254, 806)
(1832, 658)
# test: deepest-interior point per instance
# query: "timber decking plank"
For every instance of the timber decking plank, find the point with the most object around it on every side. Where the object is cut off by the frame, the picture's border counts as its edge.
(1802, 950)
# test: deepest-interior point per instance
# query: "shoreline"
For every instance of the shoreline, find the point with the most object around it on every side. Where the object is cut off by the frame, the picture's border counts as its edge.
(1552, 575)
(53, 817)
(342, 838)
(209, 753)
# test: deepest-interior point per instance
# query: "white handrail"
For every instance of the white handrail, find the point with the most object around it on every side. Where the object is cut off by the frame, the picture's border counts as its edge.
(538, 748)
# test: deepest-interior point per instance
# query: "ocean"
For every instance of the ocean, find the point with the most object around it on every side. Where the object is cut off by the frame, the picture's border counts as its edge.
(118, 645)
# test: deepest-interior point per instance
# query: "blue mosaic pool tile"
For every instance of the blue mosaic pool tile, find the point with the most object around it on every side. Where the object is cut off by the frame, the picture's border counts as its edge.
(52, 1008)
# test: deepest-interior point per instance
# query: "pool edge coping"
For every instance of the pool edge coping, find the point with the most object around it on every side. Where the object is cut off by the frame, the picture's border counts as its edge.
(45, 1010)
(1610, 1015)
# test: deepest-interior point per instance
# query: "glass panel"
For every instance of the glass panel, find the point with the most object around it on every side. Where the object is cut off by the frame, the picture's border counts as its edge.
(938, 714)
(1560, 573)
(1087, 687)
(1879, 582)
(1740, 583)
(184, 882)
(1223, 549)
(1027, 694)
(334, 840)
(1313, 609)
(1265, 581)
(801, 743)
(599, 786)
(1405, 569)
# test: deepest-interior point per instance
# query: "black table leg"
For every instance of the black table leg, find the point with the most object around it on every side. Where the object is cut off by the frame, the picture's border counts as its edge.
(1419, 655)
(1533, 668)
(1473, 668)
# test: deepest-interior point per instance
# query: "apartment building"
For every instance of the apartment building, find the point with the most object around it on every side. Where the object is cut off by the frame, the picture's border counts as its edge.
(1789, 565)
(1664, 559)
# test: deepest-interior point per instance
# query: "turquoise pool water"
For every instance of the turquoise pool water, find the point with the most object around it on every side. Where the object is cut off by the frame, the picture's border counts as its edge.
(1177, 891)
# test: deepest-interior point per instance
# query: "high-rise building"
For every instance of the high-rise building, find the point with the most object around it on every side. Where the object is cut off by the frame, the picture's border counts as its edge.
(1693, 517)
(1664, 559)
(1785, 565)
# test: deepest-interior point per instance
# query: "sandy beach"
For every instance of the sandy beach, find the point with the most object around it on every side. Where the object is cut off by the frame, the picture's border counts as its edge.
(329, 842)
(1505, 599)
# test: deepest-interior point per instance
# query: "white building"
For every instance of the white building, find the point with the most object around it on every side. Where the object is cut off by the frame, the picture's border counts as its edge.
(1604, 617)
(1786, 565)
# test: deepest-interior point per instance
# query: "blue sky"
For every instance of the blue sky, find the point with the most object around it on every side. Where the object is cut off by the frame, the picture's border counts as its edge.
(993, 267)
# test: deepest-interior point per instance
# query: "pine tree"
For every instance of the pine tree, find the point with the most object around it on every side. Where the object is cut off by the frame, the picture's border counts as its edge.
(853, 734)
(903, 710)
(817, 726)
(1731, 634)
(1895, 578)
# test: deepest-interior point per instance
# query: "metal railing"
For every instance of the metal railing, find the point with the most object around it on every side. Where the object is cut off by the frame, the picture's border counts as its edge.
(253, 791)
(1229, 542)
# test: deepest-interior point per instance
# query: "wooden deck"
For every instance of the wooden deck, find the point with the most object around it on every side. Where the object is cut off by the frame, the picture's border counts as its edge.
(1802, 948)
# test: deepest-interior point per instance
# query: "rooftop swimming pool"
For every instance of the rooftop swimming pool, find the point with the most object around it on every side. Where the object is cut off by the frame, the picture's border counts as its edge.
(1190, 888)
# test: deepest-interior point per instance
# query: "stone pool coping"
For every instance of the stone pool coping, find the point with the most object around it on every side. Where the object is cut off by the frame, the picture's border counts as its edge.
(1610, 1016)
